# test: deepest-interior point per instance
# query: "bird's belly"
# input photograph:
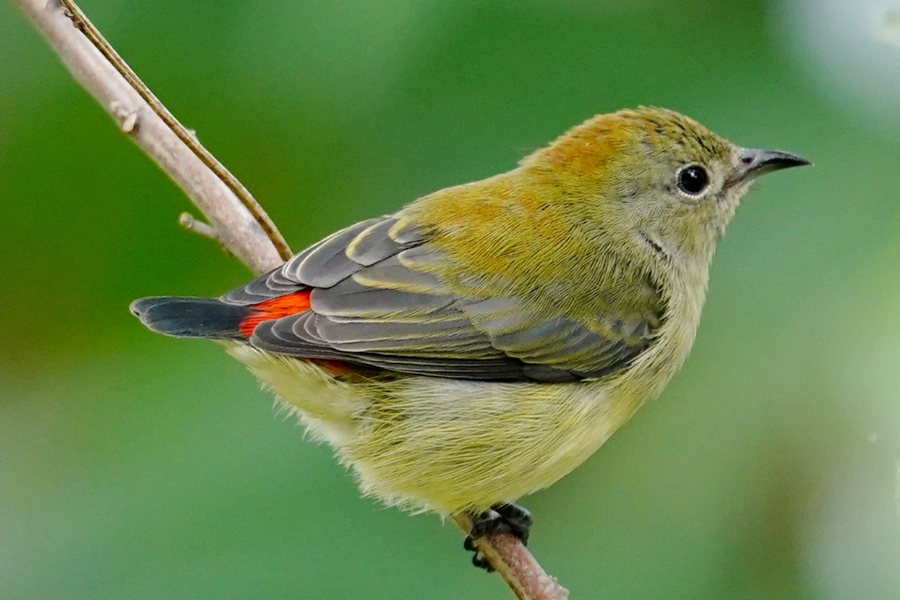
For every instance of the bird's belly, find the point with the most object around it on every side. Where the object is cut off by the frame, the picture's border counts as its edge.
(451, 445)
(445, 444)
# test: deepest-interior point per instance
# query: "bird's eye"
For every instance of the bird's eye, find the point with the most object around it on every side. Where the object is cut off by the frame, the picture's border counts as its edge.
(692, 180)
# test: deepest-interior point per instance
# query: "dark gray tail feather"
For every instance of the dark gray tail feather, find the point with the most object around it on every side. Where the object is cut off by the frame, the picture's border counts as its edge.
(185, 316)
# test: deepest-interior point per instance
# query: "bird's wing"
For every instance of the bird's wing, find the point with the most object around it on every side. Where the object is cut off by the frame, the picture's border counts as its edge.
(374, 301)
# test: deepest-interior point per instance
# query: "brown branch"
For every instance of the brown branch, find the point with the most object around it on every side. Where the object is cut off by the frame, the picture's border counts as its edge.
(516, 565)
(244, 231)
(238, 231)
(82, 23)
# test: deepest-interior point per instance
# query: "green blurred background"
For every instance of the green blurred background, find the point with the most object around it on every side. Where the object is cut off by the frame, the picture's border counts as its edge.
(138, 466)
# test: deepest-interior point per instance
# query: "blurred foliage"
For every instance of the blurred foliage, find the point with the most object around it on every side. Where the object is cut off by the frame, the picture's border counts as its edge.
(133, 465)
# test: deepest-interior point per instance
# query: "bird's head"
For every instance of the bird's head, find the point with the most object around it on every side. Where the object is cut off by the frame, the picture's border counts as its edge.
(664, 179)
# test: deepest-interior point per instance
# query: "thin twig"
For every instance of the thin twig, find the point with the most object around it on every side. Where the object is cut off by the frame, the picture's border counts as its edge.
(188, 221)
(230, 219)
(82, 23)
(518, 567)
(239, 232)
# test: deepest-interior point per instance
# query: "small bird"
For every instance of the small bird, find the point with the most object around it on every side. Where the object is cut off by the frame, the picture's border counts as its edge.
(485, 340)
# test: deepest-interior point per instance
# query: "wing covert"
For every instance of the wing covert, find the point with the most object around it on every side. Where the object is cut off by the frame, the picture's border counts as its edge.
(374, 301)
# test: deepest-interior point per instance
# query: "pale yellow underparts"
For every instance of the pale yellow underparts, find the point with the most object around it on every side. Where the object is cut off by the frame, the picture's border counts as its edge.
(452, 445)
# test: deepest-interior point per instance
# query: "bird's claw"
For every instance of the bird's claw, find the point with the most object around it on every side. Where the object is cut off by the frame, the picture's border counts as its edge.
(502, 518)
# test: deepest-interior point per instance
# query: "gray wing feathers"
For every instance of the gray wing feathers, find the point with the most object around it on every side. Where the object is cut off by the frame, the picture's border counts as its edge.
(348, 251)
(352, 299)
(332, 260)
(552, 341)
(373, 303)
(375, 243)
(268, 286)
(326, 263)
(281, 336)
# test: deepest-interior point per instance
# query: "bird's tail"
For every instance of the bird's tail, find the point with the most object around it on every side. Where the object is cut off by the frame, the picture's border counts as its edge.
(185, 316)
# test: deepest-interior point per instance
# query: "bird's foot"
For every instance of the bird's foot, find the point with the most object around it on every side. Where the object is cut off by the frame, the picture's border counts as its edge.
(502, 518)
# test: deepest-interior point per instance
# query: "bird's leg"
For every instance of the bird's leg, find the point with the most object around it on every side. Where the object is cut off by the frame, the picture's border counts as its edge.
(502, 518)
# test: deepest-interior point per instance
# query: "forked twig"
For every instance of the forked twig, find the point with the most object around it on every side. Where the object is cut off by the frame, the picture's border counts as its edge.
(83, 24)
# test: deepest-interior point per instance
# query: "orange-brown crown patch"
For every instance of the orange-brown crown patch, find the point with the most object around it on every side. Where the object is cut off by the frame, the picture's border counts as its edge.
(585, 148)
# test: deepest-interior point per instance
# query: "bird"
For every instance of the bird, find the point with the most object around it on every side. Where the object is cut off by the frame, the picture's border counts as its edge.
(483, 341)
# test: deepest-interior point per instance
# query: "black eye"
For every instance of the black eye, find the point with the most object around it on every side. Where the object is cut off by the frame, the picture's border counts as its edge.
(692, 180)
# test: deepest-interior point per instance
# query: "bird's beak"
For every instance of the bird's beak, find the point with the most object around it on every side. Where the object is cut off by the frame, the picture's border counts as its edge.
(753, 163)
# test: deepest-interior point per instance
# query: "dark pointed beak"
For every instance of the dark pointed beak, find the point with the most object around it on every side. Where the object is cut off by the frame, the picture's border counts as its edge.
(753, 162)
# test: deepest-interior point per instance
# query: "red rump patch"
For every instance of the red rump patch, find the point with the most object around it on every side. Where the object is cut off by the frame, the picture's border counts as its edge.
(282, 306)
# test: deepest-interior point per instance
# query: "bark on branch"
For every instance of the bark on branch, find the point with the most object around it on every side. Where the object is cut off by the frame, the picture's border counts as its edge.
(259, 246)
(236, 228)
